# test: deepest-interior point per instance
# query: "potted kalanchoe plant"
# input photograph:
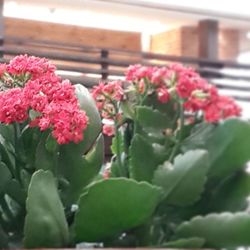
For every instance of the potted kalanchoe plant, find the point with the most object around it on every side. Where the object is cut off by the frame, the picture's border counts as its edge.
(176, 179)
(51, 148)
(178, 175)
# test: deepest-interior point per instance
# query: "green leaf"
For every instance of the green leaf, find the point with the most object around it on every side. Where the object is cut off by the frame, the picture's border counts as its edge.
(29, 139)
(114, 143)
(114, 169)
(7, 131)
(151, 118)
(229, 147)
(45, 223)
(3, 239)
(94, 128)
(168, 108)
(128, 109)
(143, 160)
(5, 176)
(218, 230)
(51, 144)
(183, 182)
(198, 137)
(15, 191)
(72, 165)
(45, 159)
(78, 169)
(7, 154)
(113, 206)
(194, 242)
(231, 195)
(227, 144)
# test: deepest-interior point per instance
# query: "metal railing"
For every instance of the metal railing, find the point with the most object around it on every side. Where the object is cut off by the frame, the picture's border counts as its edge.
(88, 65)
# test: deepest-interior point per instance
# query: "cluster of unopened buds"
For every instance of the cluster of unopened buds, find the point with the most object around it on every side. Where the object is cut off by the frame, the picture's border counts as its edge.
(175, 82)
(30, 85)
(107, 97)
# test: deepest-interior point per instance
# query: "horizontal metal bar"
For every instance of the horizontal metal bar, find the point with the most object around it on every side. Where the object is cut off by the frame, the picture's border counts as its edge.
(144, 55)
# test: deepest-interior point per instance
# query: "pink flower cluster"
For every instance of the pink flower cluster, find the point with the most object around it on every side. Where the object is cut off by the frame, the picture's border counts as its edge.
(107, 97)
(52, 100)
(155, 76)
(177, 80)
(30, 64)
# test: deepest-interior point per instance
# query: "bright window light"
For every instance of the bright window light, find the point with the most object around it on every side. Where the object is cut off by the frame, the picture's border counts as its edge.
(223, 6)
(83, 17)
(68, 73)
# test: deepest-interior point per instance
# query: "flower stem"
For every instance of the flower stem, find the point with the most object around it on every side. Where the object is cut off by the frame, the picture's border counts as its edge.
(177, 145)
(17, 133)
(118, 148)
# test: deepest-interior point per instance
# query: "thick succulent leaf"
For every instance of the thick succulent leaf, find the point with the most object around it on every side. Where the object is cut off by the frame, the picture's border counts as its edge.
(229, 147)
(112, 206)
(128, 109)
(231, 195)
(5, 176)
(94, 128)
(3, 239)
(143, 161)
(194, 242)
(168, 108)
(28, 141)
(79, 170)
(198, 137)
(7, 131)
(45, 159)
(114, 169)
(183, 182)
(218, 230)
(151, 118)
(16, 192)
(45, 223)
(6, 154)
(114, 143)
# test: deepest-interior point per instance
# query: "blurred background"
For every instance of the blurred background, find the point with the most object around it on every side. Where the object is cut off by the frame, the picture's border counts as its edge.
(93, 40)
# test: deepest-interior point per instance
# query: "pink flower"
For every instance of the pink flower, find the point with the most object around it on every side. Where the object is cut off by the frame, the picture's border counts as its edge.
(137, 72)
(163, 95)
(66, 120)
(141, 86)
(181, 70)
(106, 173)
(114, 90)
(131, 72)
(185, 87)
(14, 107)
(222, 108)
(97, 94)
(200, 97)
(54, 101)
(108, 129)
(30, 64)
(160, 75)
(107, 96)
(2, 69)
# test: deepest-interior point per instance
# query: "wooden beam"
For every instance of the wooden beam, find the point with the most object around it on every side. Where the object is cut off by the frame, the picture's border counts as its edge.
(208, 31)
(70, 34)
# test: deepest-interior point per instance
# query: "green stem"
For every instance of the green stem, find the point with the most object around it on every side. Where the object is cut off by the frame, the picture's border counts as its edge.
(177, 145)
(17, 134)
(142, 99)
(119, 160)
(145, 94)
